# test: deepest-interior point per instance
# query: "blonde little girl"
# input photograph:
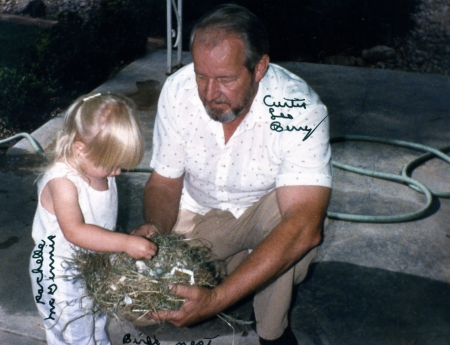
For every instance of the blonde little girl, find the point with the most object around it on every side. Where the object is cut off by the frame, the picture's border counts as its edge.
(77, 207)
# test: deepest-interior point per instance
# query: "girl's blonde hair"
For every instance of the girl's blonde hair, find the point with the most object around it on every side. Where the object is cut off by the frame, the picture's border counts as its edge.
(107, 124)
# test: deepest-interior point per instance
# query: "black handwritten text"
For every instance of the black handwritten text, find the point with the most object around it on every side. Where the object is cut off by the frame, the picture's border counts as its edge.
(39, 257)
(273, 117)
(277, 127)
(127, 339)
(289, 103)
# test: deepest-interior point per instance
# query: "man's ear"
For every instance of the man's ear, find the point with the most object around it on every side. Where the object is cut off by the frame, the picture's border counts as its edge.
(78, 147)
(261, 67)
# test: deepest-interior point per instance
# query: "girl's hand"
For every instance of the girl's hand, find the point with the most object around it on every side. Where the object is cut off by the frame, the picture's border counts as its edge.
(140, 248)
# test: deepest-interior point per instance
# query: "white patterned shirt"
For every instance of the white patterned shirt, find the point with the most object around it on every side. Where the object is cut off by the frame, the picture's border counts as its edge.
(283, 140)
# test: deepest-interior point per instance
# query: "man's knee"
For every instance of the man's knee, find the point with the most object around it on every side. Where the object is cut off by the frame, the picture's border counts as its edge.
(301, 268)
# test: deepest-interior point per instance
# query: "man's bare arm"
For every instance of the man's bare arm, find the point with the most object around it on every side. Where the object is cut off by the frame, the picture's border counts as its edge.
(161, 203)
(303, 209)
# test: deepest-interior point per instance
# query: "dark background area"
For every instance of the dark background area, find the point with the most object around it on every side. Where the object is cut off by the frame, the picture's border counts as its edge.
(78, 51)
(310, 30)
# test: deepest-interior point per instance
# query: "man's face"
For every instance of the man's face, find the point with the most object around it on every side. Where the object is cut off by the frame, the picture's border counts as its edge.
(226, 87)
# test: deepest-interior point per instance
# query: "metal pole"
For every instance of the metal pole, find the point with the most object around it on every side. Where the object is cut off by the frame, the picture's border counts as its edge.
(169, 37)
(178, 43)
(180, 31)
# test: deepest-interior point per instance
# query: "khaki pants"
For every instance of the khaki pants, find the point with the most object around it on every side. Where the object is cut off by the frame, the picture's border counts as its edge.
(231, 239)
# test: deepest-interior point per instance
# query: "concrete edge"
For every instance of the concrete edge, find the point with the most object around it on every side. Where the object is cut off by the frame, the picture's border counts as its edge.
(44, 135)
(147, 67)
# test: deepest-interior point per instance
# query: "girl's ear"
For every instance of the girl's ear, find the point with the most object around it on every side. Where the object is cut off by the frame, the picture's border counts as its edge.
(78, 147)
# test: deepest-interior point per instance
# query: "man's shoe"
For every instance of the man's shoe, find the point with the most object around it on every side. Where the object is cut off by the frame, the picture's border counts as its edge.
(287, 338)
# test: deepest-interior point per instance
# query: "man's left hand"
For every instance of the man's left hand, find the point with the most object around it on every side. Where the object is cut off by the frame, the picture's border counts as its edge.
(198, 305)
(146, 230)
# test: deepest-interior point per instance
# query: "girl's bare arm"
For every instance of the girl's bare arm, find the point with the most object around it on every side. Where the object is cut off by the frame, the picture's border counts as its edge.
(64, 199)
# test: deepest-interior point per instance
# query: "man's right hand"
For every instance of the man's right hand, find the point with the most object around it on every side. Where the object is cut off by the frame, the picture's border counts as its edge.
(199, 304)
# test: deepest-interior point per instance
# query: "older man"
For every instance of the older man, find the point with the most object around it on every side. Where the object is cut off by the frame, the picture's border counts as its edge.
(241, 159)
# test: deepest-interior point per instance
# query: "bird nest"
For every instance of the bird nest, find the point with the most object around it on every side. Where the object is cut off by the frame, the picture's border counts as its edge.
(122, 286)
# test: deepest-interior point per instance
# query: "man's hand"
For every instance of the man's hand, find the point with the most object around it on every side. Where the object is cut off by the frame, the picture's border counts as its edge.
(199, 304)
(145, 230)
(302, 209)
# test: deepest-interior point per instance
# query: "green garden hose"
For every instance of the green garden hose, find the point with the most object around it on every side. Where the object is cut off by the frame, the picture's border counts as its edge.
(32, 141)
(419, 160)
(404, 178)
(416, 185)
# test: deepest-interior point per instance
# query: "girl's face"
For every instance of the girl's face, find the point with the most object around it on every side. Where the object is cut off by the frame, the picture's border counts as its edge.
(93, 173)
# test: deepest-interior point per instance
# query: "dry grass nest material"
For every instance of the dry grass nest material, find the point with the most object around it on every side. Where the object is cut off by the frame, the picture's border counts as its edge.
(122, 286)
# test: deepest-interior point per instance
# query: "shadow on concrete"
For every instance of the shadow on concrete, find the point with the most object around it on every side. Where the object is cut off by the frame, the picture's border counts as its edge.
(342, 303)
(147, 94)
(18, 203)
(130, 186)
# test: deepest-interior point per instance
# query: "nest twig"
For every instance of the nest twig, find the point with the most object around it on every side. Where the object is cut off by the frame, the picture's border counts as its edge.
(121, 285)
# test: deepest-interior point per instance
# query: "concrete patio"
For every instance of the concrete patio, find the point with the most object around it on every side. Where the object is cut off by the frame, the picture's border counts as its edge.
(371, 283)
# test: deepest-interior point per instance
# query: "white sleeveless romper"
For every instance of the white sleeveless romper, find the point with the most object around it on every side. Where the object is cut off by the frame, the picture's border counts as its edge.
(62, 303)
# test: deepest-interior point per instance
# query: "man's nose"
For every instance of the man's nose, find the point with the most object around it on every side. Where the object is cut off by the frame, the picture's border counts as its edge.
(212, 90)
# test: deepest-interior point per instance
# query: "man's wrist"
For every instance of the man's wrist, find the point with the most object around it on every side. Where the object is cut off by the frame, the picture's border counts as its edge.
(219, 298)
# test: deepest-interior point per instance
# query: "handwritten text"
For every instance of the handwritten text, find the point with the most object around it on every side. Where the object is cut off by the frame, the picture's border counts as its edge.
(127, 339)
(277, 126)
(290, 103)
(39, 257)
